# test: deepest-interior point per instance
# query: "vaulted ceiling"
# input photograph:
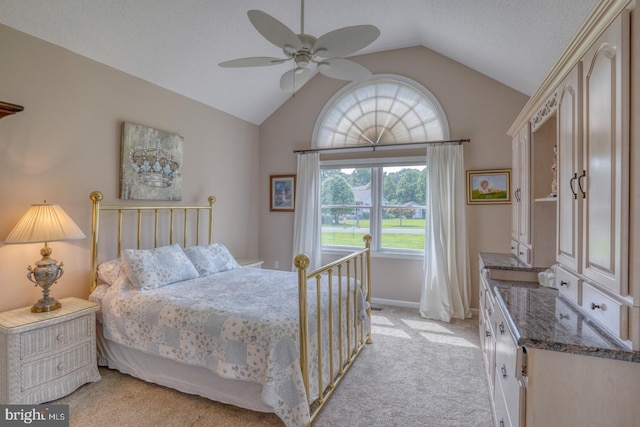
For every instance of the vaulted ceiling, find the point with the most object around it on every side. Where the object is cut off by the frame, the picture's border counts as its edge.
(177, 44)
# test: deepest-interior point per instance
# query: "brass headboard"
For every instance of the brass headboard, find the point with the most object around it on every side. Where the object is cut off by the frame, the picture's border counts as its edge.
(191, 216)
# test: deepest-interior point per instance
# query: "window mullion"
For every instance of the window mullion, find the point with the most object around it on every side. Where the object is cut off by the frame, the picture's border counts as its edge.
(376, 209)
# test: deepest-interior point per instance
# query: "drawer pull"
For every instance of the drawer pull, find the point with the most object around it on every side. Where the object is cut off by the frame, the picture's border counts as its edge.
(501, 327)
(490, 312)
(600, 306)
(563, 316)
(563, 283)
(502, 423)
(487, 333)
(504, 371)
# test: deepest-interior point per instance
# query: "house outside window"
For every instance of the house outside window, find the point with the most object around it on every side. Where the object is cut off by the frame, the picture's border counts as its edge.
(370, 193)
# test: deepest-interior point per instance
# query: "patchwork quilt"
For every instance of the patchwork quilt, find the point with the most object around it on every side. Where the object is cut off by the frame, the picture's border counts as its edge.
(241, 324)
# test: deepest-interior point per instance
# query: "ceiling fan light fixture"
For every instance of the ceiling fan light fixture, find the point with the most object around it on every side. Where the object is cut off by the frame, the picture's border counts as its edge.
(299, 70)
(320, 51)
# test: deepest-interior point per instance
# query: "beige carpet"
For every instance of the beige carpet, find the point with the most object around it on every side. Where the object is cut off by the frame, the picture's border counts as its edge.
(417, 373)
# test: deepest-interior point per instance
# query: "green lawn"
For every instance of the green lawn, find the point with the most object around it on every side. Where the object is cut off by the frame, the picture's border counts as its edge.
(350, 237)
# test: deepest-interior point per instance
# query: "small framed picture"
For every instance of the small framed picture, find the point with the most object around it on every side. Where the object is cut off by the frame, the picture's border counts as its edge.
(283, 192)
(492, 186)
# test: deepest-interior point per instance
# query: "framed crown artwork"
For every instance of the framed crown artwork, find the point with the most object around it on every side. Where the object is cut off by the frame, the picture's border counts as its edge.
(151, 164)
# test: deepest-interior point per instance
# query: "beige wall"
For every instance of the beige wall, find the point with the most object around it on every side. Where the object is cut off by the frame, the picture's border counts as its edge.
(66, 143)
(476, 106)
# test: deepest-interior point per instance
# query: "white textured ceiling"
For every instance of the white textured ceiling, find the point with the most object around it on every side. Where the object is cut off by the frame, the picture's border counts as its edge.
(177, 44)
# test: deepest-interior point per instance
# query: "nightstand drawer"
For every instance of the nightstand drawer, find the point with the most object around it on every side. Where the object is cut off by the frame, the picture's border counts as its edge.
(44, 370)
(58, 336)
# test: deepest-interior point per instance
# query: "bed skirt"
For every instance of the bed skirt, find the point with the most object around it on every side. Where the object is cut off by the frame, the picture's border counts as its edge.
(185, 378)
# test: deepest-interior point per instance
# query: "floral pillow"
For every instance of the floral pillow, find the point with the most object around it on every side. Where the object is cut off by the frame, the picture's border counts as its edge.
(109, 271)
(211, 259)
(153, 268)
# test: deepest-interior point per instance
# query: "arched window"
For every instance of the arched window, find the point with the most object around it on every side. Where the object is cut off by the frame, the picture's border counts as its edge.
(383, 196)
(384, 110)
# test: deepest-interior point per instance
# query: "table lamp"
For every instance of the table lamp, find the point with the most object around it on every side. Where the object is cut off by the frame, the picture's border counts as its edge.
(45, 223)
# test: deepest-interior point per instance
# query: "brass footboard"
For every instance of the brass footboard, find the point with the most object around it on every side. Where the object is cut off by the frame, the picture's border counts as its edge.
(351, 271)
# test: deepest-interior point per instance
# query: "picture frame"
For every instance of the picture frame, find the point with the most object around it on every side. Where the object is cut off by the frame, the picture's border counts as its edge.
(488, 187)
(150, 163)
(282, 193)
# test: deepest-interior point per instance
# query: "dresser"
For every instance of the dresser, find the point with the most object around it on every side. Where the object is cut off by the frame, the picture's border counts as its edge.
(45, 356)
(547, 363)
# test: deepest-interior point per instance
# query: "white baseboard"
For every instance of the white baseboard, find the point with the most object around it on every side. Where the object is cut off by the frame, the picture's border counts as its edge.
(395, 303)
(408, 304)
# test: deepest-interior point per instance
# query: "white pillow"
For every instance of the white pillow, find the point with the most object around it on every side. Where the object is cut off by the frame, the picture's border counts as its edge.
(211, 259)
(153, 268)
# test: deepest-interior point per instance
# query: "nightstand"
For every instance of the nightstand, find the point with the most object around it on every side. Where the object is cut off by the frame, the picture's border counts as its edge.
(247, 262)
(45, 356)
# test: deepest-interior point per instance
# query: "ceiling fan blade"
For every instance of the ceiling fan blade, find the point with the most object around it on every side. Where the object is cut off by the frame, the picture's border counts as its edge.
(345, 41)
(256, 61)
(293, 80)
(273, 30)
(344, 69)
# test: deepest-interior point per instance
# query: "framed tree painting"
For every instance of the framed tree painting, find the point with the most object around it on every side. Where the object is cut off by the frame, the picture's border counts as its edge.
(492, 186)
(283, 191)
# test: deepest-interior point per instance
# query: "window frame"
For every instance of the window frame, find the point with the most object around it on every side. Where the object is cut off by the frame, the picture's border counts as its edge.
(375, 224)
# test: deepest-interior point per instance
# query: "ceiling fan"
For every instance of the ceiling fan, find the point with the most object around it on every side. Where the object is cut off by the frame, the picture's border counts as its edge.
(303, 49)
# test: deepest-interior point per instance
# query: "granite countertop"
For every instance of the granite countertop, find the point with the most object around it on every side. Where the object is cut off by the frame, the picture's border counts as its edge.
(542, 318)
(494, 261)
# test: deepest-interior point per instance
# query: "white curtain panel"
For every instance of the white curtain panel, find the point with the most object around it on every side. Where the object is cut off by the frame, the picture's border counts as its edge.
(447, 286)
(307, 226)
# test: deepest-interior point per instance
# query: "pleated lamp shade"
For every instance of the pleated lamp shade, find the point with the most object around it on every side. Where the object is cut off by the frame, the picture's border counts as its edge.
(44, 223)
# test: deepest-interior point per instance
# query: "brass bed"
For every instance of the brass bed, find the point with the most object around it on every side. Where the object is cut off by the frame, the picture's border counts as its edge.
(136, 227)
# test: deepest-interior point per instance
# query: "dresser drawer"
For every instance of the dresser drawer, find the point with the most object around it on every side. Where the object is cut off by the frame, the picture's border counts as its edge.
(569, 285)
(609, 313)
(57, 336)
(48, 369)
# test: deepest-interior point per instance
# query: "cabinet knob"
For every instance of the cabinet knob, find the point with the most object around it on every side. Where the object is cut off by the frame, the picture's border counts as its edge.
(501, 327)
(60, 366)
(563, 283)
(487, 333)
(502, 423)
(60, 337)
(503, 369)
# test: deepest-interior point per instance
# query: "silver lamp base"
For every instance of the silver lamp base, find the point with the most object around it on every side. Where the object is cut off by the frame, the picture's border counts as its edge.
(46, 272)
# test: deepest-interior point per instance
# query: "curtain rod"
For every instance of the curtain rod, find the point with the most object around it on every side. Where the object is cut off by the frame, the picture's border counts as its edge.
(374, 147)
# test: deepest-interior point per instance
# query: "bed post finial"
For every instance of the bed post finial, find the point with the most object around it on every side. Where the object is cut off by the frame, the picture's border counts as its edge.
(302, 262)
(95, 196)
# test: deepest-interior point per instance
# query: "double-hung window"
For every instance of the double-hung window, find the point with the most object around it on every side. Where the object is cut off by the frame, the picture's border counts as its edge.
(384, 198)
